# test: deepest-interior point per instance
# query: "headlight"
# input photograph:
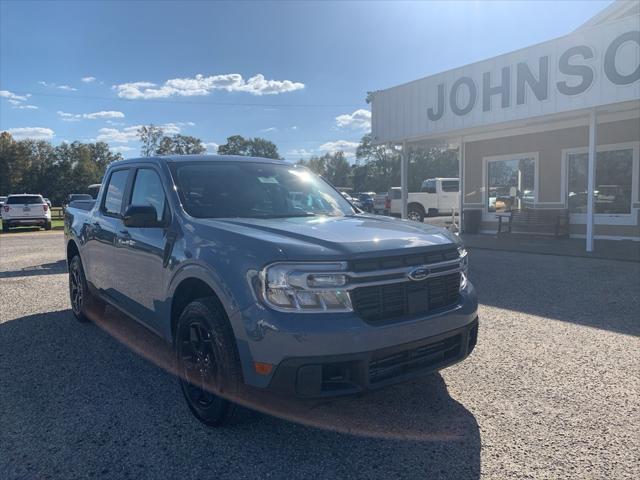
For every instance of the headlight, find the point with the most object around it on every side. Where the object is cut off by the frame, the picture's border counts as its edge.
(464, 266)
(306, 287)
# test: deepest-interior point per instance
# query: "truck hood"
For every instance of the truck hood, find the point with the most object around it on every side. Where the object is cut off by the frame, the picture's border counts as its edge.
(339, 237)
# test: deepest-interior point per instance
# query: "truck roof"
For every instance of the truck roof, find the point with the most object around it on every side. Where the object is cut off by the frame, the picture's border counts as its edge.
(200, 158)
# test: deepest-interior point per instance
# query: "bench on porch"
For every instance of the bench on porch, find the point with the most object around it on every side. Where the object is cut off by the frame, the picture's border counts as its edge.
(535, 220)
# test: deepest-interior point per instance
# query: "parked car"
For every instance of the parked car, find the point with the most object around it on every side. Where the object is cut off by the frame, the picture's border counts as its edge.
(437, 196)
(366, 200)
(25, 210)
(382, 203)
(2, 200)
(258, 272)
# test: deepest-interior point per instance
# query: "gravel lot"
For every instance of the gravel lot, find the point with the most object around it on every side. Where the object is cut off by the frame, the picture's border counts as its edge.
(552, 390)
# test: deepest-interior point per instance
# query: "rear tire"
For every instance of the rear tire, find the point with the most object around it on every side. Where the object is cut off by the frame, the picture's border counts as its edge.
(82, 300)
(47, 226)
(5, 227)
(208, 361)
(415, 213)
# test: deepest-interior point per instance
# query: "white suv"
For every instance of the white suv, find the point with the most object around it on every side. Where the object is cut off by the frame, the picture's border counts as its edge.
(25, 210)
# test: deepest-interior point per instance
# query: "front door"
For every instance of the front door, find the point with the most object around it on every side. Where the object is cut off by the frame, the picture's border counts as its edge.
(140, 252)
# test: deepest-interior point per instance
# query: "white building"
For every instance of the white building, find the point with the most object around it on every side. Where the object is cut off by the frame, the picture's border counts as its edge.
(542, 126)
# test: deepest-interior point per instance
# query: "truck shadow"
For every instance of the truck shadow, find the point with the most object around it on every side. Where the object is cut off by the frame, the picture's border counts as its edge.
(52, 268)
(76, 403)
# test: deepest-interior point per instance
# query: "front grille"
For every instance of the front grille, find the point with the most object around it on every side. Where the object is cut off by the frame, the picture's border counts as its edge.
(395, 301)
(415, 259)
(415, 359)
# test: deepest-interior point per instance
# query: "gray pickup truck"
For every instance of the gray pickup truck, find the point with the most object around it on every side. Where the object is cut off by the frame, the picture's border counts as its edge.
(261, 275)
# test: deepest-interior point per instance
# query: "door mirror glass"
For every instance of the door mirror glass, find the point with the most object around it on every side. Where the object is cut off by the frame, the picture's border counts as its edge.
(141, 216)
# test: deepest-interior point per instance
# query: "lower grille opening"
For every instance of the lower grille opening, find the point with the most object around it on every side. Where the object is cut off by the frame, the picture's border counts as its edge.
(415, 359)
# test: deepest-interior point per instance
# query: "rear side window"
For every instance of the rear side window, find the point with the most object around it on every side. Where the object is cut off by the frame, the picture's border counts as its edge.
(450, 186)
(428, 186)
(147, 190)
(115, 192)
(24, 200)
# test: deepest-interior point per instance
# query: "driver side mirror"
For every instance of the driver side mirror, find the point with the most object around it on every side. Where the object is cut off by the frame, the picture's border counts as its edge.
(141, 216)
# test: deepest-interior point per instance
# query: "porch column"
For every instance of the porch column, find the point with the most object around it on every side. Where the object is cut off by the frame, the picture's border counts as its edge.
(591, 176)
(460, 182)
(404, 188)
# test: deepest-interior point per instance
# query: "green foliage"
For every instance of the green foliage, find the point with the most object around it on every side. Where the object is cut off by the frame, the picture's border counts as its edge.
(150, 137)
(333, 167)
(38, 167)
(249, 147)
(180, 145)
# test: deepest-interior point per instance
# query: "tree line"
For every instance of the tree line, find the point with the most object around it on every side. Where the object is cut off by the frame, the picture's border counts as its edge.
(36, 166)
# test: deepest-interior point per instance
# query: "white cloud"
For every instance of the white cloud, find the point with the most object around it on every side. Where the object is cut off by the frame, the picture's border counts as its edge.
(297, 153)
(14, 98)
(349, 148)
(35, 133)
(121, 148)
(212, 147)
(295, 127)
(59, 87)
(26, 107)
(270, 129)
(201, 85)
(88, 79)
(76, 117)
(128, 134)
(358, 120)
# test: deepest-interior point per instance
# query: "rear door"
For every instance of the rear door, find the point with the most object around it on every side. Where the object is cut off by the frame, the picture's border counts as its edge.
(140, 252)
(448, 195)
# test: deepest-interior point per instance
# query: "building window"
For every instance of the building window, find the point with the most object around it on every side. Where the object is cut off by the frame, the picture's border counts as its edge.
(511, 184)
(612, 193)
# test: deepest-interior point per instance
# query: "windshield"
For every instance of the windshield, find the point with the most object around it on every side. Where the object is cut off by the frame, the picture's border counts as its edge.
(255, 190)
(24, 200)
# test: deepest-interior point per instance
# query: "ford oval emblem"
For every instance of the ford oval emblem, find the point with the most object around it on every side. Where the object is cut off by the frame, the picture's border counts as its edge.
(419, 273)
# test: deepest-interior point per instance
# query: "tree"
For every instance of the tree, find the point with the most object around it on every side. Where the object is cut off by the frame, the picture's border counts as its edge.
(150, 137)
(55, 172)
(252, 147)
(333, 167)
(180, 145)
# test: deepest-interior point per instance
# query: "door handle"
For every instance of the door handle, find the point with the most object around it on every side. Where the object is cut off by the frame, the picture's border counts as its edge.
(123, 238)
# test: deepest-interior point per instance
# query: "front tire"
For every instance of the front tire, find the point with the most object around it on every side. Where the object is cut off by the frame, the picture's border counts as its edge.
(82, 300)
(208, 361)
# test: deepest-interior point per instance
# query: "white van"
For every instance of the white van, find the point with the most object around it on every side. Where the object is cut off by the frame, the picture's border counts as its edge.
(437, 196)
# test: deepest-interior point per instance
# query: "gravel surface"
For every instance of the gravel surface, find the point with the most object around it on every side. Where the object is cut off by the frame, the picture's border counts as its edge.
(551, 391)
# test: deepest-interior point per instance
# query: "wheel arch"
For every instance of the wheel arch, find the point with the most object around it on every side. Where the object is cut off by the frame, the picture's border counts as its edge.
(418, 206)
(72, 250)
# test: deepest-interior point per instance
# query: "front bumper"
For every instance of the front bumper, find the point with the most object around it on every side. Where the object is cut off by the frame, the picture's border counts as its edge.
(329, 376)
(307, 351)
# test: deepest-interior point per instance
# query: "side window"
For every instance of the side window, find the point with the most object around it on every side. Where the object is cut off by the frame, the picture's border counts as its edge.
(147, 190)
(450, 186)
(429, 186)
(115, 192)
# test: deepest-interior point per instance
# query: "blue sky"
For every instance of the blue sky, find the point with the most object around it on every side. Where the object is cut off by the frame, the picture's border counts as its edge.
(296, 73)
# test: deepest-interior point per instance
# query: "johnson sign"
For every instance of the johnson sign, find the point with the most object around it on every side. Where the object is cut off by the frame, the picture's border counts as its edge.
(592, 67)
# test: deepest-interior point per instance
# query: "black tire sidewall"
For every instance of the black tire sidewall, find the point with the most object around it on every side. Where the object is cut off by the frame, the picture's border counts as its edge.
(208, 312)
